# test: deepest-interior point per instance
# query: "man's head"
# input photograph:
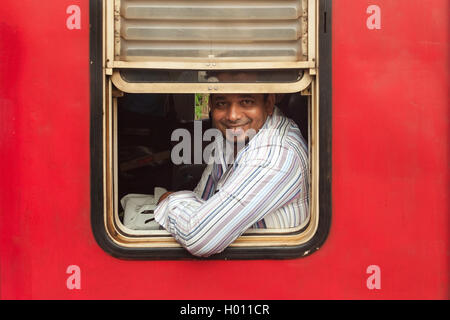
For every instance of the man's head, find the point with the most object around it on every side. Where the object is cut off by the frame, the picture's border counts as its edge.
(239, 112)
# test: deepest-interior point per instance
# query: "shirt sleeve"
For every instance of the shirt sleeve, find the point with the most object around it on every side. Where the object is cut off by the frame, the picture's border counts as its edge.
(199, 189)
(264, 181)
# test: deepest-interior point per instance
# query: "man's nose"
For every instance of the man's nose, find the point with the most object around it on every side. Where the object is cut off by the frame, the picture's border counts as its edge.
(234, 112)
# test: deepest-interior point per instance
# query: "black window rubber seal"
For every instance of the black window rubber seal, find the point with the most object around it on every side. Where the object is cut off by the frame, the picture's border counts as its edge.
(231, 253)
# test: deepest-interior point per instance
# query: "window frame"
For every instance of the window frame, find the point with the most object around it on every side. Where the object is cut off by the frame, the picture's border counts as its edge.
(112, 48)
(272, 246)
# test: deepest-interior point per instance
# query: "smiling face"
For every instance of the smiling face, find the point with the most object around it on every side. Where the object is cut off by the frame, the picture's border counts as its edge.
(240, 112)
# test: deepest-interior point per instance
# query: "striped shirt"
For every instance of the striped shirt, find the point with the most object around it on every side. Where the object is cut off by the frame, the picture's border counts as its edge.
(265, 187)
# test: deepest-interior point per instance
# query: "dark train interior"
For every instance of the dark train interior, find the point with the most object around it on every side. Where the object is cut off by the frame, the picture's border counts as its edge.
(145, 123)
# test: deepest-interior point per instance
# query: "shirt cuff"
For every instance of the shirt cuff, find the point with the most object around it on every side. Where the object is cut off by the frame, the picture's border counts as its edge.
(161, 213)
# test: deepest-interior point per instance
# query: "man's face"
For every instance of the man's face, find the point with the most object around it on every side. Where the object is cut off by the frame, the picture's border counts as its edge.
(239, 113)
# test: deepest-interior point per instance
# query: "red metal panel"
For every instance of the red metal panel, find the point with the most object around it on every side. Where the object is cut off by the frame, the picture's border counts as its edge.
(390, 143)
(390, 168)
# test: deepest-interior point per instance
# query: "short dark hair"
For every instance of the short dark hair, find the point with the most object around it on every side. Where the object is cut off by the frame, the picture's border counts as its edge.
(265, 96)
(259, 76)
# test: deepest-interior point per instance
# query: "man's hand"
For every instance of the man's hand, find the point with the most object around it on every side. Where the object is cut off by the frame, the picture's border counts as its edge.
(164, 195)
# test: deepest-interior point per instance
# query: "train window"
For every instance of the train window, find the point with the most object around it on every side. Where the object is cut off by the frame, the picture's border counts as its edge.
(154, 67)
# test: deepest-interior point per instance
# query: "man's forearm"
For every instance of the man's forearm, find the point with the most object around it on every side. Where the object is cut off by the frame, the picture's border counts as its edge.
(208, 227)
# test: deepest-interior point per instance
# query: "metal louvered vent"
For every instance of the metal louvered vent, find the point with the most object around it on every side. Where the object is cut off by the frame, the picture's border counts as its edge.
(222, 30)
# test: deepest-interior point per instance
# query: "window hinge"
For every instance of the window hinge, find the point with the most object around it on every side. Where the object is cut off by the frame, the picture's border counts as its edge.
(117, 93)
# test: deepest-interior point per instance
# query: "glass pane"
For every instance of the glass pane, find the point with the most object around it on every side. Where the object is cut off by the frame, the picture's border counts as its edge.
(214, 30)
(289, 30)
(211, 9)
(203, 76)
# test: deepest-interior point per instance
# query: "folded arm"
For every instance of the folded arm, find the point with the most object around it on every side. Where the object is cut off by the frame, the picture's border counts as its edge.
(256, 188)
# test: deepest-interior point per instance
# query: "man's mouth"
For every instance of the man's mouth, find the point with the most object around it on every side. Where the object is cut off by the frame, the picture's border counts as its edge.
(236, 129)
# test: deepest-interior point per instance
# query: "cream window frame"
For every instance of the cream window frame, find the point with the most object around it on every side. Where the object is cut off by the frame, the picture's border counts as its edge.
(309, 85)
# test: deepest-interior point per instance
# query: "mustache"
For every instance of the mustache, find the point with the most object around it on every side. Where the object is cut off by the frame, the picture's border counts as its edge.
(239, 123)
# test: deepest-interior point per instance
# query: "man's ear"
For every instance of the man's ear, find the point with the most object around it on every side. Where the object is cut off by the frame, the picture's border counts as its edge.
(210, 97)
(270, 103)
(210, 100)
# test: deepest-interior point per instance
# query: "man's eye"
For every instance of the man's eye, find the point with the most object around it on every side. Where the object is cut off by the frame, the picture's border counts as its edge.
(220, 104)
(247, 102)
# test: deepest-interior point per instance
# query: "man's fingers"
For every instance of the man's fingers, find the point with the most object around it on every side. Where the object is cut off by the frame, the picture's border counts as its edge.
(165, 195)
